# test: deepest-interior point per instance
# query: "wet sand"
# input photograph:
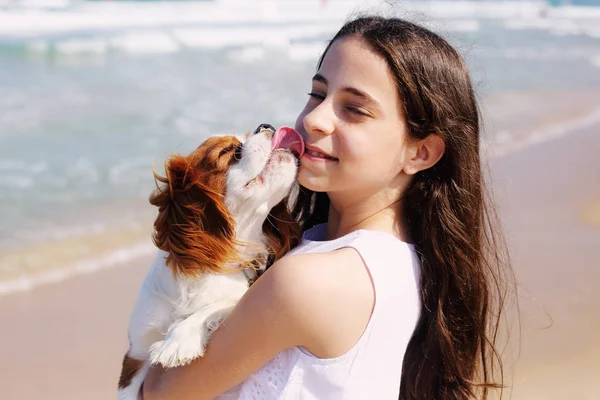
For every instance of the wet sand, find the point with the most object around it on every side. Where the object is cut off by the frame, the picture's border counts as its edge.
(66, 340)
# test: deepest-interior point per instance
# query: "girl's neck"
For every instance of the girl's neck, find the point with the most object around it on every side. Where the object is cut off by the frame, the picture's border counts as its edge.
(379, 213)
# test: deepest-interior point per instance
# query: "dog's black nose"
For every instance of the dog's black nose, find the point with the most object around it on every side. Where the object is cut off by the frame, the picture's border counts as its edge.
(263, 127)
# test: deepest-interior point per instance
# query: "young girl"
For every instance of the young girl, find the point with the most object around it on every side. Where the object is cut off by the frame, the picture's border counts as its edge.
(391, 292)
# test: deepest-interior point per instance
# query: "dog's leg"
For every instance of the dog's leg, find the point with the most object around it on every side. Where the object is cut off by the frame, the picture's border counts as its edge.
(132, 376)
(150, 316)
(186, 340)
(136, 363)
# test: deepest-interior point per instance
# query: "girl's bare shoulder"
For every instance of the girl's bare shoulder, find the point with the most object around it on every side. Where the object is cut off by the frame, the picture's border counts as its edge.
(330, 295)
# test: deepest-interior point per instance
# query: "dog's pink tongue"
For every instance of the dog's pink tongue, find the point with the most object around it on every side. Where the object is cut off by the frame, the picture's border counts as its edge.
(288, 138)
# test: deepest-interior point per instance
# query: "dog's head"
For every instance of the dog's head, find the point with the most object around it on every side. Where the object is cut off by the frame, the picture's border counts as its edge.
(224, 203)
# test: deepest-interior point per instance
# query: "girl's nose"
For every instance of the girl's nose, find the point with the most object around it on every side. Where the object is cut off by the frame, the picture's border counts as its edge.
(320, 120)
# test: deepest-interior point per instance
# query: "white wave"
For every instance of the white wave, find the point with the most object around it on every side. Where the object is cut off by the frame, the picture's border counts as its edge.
(130, 171)
(38, 46)
(541, 53)
(16, 182)
(20, 165)
(270, 36)
(80, 60)
(593, 30)
(102, 15)
(248, 54)
(166, 27)
(507, 144)
(12, 165)
(43, 233)
(84, 171)
(38, 167)
(50, 4)
(557, 25)
(313, 30)
(145, 42)
(528, 23)
(574, 12)
(21, 175)
(567, 27)
(222, 37)
(81, 46)
(118, 16)
(15, 174)
(115, 258)
(306, 51)
(478, 9)
(462, 25)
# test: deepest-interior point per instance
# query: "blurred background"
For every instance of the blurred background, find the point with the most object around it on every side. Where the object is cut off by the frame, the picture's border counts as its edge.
(95, 93)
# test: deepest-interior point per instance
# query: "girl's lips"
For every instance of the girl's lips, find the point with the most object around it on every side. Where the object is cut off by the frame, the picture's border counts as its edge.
(311, 157)
(317, 153)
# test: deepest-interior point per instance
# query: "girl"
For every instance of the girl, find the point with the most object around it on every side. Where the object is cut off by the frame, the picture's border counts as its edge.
(394, 291)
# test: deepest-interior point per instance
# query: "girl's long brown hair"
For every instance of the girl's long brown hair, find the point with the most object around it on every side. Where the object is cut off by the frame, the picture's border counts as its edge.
(464, 268)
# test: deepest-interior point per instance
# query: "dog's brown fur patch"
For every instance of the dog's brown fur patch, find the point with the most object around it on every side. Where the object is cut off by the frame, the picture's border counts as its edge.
(130, 367)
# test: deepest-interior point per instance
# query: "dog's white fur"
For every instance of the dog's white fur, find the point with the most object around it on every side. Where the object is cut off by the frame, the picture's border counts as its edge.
(174, 317)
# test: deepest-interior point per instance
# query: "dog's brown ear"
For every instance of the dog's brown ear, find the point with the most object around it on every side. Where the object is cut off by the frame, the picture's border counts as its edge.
(282, 231)
(193, 225)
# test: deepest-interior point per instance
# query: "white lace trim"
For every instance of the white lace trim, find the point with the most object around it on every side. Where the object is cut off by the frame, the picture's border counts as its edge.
(272, 379)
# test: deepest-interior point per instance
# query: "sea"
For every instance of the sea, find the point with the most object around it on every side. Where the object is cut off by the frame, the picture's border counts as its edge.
(95, 94)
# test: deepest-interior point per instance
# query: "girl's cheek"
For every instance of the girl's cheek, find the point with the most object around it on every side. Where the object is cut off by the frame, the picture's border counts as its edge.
(299, 126)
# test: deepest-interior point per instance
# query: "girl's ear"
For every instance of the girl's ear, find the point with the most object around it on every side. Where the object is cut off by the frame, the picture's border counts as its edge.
(193, 225)
(424, 154)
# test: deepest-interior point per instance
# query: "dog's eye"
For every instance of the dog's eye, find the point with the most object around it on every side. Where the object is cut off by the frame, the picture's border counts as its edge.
(238, 152)
(226, 150)
(232, 148)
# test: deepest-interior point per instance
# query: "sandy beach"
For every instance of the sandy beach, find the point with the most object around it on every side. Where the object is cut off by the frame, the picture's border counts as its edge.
(66, 340)
(549, 195)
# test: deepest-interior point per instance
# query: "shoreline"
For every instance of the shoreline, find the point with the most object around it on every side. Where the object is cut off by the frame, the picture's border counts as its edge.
(32, 265)
(106, 250)
(113, 259)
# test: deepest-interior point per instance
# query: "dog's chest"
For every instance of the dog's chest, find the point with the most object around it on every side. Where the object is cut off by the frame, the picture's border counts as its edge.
(193, 294)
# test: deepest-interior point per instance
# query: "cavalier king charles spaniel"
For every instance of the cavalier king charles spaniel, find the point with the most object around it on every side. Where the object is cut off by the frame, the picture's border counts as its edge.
(222, 216)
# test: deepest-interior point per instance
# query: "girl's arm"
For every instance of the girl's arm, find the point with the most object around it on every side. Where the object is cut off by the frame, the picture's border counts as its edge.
(259, 327)
(288, 306)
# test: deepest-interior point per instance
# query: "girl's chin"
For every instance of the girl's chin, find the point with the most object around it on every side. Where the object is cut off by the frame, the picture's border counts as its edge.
(308, 180)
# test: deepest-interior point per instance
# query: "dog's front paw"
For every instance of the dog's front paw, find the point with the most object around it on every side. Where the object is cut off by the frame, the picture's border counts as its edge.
(183, 344)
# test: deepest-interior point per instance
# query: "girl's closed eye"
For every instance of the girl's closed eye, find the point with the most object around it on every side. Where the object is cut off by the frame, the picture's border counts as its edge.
(351, 108)
(358, 111)
(316, 96)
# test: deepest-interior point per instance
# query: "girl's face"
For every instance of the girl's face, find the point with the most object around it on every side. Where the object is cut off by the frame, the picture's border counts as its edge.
(353, 125)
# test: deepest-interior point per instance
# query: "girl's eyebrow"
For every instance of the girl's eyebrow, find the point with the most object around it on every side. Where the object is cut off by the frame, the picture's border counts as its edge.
(320, 78)
(352, 90)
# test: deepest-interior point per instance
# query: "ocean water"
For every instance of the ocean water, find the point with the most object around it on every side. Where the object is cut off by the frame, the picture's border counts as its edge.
(94, 94)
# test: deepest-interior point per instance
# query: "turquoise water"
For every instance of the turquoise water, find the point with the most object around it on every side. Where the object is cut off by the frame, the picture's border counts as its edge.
(91, 100)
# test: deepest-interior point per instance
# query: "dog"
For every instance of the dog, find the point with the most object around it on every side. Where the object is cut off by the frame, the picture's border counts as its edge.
(223, 214)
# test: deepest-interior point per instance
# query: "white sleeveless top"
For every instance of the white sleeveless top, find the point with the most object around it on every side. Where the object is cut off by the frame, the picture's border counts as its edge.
(372, 368)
